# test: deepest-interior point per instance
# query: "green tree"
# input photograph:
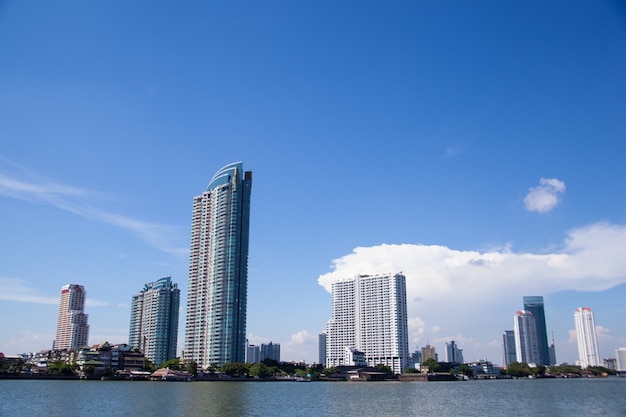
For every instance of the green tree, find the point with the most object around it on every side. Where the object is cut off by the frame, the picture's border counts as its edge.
(384, 368)
(539, 370)
(148, 365)
(329, 371)
(235, 369)
(260, 369)
(432, 365)
(173, 364)
(518, 369)
(192, 367)
(466, 370)
(61, 368)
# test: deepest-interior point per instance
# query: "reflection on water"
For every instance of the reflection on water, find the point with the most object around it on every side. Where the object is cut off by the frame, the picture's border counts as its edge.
(555, 397)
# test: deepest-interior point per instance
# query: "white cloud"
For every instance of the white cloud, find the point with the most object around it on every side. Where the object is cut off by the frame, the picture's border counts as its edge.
(448, 289)
(14, 289)
(545, 196)
(303, 346)
(590, 260)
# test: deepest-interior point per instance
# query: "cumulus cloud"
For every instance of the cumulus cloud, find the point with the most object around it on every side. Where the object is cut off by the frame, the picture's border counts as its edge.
(546, 196)
(447, 287)
(301, 346)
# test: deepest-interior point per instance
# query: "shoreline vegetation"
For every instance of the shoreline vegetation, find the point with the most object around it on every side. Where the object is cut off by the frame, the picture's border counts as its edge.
(271, 370)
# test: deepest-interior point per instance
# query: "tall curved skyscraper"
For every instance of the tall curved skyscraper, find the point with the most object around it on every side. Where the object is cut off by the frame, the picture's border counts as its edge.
(215, 331)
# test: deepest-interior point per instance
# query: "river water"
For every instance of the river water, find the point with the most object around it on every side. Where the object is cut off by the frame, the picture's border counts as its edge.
(543, 397)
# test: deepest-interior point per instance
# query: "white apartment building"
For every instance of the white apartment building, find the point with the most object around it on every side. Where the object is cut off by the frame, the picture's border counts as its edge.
(369, 314)
(586, 337)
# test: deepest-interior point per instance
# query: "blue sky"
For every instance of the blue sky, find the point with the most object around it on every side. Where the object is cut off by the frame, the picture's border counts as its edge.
(479, 147)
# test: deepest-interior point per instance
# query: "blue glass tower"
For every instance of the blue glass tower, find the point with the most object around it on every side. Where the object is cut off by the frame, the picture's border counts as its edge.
(215, 331)
(534, 304)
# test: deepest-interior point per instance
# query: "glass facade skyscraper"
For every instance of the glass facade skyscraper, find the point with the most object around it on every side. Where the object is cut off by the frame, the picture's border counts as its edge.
(534, 304)
(215, 331)
(154, 320)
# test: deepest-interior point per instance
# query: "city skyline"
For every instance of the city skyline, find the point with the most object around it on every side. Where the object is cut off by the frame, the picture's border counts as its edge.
(476, 147)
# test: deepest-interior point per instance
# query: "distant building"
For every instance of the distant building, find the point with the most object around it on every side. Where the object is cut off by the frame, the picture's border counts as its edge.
(526, 348)
(620, 359)
(154, 320)
(586, 337)
(72, 327)
(534, 304)
(610, 363)
(270, 351)
(552, 353)
(508, 347)
(428, 352)
(369, 314)
(321, 347)
(253, 354)
(415, 359)
(453, 353)
(215, 330)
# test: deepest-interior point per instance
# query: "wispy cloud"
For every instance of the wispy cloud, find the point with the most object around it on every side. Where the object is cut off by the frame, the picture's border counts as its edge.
(16, 290)
(36, 189)
(545, 196)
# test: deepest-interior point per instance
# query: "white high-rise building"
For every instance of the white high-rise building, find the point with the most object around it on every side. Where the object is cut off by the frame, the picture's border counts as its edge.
(72, 327)
(586, 336)
(154, 320)
(369, 315)
(215, 329)
(526, 347)
(620, 359)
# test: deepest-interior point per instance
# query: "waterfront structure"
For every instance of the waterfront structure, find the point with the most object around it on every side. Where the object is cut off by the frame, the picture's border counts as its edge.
(526, 348)
(534, 304)
(369, 315)
(270, 351)
(620, 359)
(154, 320)
(508, 347)
(321, 348)
(215, 329)
(453, 353)
(586, 337)
(72, 327)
